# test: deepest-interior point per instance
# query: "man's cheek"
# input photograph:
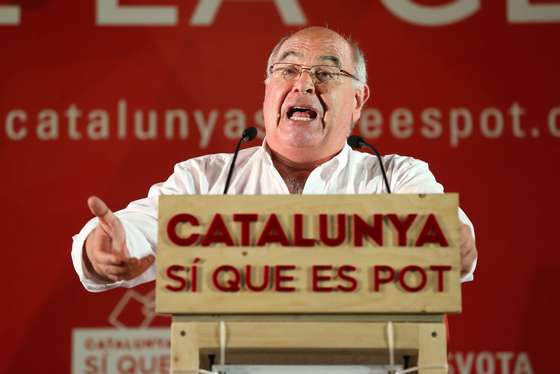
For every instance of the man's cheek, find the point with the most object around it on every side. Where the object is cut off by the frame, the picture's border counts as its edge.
(273, 100)
(270, 108)
(270, 119)
(328, 118)
(329, 115)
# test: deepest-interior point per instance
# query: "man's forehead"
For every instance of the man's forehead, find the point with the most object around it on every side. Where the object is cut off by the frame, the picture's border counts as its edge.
(317, 48)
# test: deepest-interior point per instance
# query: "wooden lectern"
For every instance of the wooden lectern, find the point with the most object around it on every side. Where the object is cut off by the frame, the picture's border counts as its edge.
(308, 279)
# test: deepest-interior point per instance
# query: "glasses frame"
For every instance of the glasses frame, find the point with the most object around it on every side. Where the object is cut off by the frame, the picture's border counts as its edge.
(301, 67)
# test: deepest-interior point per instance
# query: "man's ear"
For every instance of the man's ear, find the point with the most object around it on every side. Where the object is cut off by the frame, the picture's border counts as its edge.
(361, 95)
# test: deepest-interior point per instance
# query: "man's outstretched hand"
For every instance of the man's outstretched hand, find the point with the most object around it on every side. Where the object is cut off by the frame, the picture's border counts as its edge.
(106, 254)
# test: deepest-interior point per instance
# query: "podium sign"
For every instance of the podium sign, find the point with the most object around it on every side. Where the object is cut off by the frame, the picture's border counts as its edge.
(308, 254)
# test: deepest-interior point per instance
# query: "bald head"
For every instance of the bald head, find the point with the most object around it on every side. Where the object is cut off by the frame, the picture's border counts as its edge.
(307, 117)
(323, 34)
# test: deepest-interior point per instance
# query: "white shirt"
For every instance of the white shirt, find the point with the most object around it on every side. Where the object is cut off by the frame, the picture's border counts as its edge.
(350, 172)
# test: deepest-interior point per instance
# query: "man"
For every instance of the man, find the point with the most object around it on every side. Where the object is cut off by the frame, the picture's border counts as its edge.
(314, 94)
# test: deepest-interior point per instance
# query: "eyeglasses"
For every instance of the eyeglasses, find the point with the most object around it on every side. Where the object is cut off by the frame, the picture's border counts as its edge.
(320, 74)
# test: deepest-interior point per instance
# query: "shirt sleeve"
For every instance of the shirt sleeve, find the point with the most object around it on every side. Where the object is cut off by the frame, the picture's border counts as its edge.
(139, 220)
(409, 175)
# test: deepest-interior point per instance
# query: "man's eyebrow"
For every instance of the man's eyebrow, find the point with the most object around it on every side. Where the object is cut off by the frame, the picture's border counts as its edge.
(287, 54)
(335, 60)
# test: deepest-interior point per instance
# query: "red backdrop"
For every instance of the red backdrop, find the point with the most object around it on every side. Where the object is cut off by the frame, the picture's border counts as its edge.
(472, 88)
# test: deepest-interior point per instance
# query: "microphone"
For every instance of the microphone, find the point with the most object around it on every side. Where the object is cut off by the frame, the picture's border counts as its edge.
(356, 141)
(248, 134)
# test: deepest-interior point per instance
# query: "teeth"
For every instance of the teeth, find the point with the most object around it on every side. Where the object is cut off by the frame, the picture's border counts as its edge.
(298, 118)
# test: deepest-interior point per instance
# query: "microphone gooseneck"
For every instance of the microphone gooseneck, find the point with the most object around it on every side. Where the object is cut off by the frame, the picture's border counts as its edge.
(356, 141)
(249, 134)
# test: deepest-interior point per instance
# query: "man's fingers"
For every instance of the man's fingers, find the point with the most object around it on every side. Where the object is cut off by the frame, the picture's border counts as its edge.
(106, 247)
(127, 269)
(106, 217)
(465, 237)
(467, 261)
(137, 266)
(114, 278)
(110, 224)
(108, 258)
(465, 233)
(109, 270)
(467, 248)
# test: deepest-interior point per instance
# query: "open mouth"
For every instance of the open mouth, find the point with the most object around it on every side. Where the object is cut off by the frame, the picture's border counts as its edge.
(304, 114)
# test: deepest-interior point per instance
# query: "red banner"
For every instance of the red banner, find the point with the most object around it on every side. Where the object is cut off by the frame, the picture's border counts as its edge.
(103, 97)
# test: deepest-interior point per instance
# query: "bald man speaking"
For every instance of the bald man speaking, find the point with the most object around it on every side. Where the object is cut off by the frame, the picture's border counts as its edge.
(315, 90)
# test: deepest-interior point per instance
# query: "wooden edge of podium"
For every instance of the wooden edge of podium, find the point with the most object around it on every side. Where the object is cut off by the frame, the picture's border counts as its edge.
(424, 335)
(308, 317)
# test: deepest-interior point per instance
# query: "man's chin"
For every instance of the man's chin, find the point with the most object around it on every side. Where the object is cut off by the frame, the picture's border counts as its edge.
(299, 142)
(296, 135)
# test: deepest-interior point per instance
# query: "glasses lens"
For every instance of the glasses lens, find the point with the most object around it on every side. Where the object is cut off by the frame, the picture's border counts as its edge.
(325, 74)
(286, 71)
(291, 72)
(319, 73)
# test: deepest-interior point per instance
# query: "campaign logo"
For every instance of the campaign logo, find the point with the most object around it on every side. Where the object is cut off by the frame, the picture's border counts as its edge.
(129, 346)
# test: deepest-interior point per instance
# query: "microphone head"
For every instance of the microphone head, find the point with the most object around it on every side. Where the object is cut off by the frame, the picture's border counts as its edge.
(249, 133)
(355, 141)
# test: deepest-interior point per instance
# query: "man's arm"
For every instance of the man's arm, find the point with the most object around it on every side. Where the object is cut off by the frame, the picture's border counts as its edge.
(409, 175)
(112, 252)
(118, 249)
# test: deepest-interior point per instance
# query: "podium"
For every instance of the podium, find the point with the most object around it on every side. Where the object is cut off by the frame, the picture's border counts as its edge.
(308, 279)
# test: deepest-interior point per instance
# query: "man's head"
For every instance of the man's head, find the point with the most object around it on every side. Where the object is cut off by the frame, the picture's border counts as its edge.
(308, 114)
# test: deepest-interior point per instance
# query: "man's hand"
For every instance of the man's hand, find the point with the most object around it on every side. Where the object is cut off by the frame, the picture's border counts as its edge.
(106, 254)
(467, 249)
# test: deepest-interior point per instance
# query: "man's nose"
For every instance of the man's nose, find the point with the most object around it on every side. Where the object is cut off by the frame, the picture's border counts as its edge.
(304, 84)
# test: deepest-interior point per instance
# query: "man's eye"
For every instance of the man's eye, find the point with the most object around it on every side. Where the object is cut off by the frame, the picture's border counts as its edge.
(290, 70)
(323, 75)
